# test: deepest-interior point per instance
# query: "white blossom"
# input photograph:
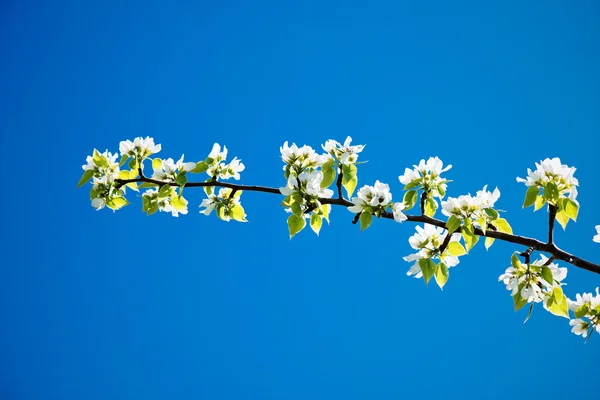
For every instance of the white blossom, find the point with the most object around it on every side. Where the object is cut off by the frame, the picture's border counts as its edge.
(376, 199)
(308, 183)
(345, 154)
(552, 170)
(428, 240)
(218, 168)
(427, 175)
(140, 148)
(580, 327)
(298, 159)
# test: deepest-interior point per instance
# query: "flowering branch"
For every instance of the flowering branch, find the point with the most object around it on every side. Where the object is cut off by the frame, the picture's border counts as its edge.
(308, 200)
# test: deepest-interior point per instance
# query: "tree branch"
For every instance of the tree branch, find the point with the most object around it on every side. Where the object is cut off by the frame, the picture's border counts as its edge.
(549, 248)
(339, 183)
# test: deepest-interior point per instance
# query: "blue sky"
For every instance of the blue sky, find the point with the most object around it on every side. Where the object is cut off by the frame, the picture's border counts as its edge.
(98, 305)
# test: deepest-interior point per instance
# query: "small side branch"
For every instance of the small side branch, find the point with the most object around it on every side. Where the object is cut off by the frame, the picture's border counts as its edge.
(339, 183)
(423, 197)
(551, 219)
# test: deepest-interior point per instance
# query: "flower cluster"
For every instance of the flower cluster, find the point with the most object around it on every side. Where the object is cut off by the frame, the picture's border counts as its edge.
(101, 164)
(469, 207)
(374, 200)
(139, 149)
(537, 282)
(432, 243)
(165, 199)
(227, 205)
(553, 183)
(552, 176)
(216, 167)
(102, 169)
(467, 210)
(426, 177)
(343, 154)
(585, 306)
(168, 170)
(300, 159)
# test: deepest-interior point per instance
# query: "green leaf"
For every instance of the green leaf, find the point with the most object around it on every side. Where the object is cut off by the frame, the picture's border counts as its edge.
(491, 213)
(132, 163)
(482, 223)
(410, 199)
(514, 260)
(581, 311)
(441, 274)
(238, 214)
(157, 164)
(87, 175)
(315, 223)
(562, 219)
(453, 223)
(365, 220)
(325, 208)
(349, 172)
(351, 185)
(221, 211)
(133, 173)
(540, 201)
(558, 304)
(178, 203)
(328, 177)
(502, 225)
(199, 168)
(99, 159)
(571, 209)
(117, 203)
(430, 207)
(164, 191)
(489, 242)
(297, 209)
(295, 224)
(413, 184)
(209, 161)
(428, 268)
(181, 179)
(152, 208)
(469, 236)
(547, 275)
(124, 159)
(551, 192)
(456, 249)
(146, 185)
(530, 196)
(519, 301)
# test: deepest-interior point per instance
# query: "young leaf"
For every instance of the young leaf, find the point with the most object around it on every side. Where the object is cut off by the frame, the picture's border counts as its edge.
(351, 185)
(558, 304)
(430, 207)
(530, 196)
(562, 219)
(551, 192)
(116, 203)
(491, 213)
(315, 223)
(428, 268)
(295, 224)
(365, 220)
(199, 168)
(410, 199)
(124, 159)
(87, 175)
(547, 275)
(441, 274)
(519, 301)
(540, 201)
(514, 260)
(157, 164)
(349, 172)
(489, 242)
(469, 236)
(503, 225)
(581, 311)
(328, 176)
(413, 184)
(571, 209)
(238, 214)
(529, 313)
(456, 249)
(453, 223)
